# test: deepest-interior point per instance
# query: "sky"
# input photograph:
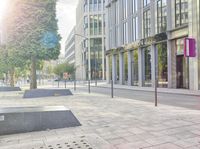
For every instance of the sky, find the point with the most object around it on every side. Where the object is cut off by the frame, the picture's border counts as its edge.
(66, 15)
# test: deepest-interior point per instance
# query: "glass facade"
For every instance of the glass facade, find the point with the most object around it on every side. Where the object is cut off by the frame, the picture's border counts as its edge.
(147, 23)
(135, 28)
(181, 12)
(162, 65)
(95, 24)
(161, 16)
(96, 5)
(126, 67)
(134, 67)
(134, 6)
(146, 2)
(147, 66)
(96, 58)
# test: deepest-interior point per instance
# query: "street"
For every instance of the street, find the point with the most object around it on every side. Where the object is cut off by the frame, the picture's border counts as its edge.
(178, 100)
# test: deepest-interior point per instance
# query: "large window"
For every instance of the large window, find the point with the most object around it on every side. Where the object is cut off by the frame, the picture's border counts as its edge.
(91, 5)
(162, 64)
(99, 5)
(134, 68)
(96, 58)
(162, 15)
(147, 66)
(146, 2)
(95, 24)
(125, 32)
(181, 10)
(147, 23)
(134, 6)
(135, 29)
(125, 9)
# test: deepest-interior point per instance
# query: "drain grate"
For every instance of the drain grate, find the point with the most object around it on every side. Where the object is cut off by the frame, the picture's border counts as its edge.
(69, 144)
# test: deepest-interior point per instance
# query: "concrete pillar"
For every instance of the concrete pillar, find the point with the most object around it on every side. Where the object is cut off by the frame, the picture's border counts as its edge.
(130, 68)
(193, 15)
(121, 68)
(114, 68)
(153, 64)
(107, 69)
(140, 67)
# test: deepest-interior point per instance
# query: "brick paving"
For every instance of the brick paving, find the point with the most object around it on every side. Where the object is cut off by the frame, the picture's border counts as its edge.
(109, 124)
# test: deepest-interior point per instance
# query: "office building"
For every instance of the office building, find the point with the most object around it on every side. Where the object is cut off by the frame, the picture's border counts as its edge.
(70, 48)
(145, 41)
(90, 40)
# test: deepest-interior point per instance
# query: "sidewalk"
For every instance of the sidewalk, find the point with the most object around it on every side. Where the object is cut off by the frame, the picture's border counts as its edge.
(150, 89)
(109, 124)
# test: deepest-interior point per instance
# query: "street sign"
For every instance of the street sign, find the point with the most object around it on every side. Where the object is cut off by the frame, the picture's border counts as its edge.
(65, 75)
(189, 47)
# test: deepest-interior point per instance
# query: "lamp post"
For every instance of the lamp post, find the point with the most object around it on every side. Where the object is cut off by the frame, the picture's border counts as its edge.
(86, 38)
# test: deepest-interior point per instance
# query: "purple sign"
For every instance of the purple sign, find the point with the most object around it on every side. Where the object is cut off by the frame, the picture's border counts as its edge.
(189, 47)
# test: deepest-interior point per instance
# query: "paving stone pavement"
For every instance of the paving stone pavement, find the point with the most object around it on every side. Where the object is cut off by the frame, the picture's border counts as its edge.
(109, 124)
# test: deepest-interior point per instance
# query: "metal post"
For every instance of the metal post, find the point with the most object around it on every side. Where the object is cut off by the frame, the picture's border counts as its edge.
(65, 83)
(88, 86)
(74, 84)
(112, 89)
(156, 79)
(58, 84)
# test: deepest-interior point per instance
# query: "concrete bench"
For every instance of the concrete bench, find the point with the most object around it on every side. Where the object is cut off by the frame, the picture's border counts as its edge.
(27, 119)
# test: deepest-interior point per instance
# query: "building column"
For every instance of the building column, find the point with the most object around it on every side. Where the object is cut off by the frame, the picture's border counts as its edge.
(140, 68)
(107, 69)
(130, 67)
(121, 68)
(193, 16)
(153, 64)
(114, 68)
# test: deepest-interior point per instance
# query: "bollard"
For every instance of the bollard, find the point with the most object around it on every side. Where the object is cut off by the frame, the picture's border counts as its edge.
(58, 84)
(112, 93)
(156, 94)
(88, 86)
(74, 84)
(96, 82)
(65, 83)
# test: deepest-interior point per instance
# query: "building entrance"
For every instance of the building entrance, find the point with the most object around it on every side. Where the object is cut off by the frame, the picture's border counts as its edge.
(181, 72)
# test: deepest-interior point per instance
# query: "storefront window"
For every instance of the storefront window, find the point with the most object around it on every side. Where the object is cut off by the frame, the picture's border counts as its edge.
(147, 66)
(126, 67)
(162, 65)
(96, 58)
(134, 66)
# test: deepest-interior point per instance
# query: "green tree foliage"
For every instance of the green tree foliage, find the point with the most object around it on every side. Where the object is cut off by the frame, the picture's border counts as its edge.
(64, 67)
(32, 31)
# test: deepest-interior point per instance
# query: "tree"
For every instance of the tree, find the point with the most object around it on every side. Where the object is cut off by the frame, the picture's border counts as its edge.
(64, 67)
(32, 32)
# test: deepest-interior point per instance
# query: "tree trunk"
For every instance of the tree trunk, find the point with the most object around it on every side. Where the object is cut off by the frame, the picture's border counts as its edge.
(33, 83)
(12, 77)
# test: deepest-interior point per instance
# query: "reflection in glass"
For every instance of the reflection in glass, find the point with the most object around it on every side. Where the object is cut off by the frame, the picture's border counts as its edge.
(162, 65)
(147, 66)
